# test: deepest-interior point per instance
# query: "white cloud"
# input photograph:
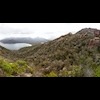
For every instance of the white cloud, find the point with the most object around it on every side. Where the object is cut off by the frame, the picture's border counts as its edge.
(46, 30)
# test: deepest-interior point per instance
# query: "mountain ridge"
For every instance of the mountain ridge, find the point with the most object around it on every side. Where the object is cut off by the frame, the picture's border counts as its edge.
(23, 40)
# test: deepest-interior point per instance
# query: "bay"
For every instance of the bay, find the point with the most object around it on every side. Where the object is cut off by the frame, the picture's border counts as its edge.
(16, 46)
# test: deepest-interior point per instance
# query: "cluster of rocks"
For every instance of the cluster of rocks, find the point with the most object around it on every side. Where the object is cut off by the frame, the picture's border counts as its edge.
(93, 34)
(96, 39)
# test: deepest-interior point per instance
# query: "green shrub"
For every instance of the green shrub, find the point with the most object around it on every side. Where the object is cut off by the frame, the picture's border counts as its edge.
(75, 71)
(64, 73)
(14, 68)
(6, 66)
(97, 72)
(21, 63)
(51, 74)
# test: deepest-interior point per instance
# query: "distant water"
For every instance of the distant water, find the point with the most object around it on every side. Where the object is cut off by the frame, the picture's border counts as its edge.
(16, 46)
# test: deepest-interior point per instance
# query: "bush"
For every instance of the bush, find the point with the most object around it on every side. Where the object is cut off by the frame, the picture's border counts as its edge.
(15, 68)
(57, 65)
(21, 63)
(97, 72)
(51, 74)
(75, 71)
(6, 67)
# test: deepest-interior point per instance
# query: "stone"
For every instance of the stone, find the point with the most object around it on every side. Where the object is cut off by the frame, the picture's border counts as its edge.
(97, 33)
(26, 75)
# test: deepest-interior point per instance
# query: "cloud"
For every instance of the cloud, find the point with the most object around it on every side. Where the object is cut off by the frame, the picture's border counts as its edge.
(45, 30)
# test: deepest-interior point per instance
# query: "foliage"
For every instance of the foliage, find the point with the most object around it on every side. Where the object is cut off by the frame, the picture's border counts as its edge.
(14, 68)
(51, 74)
(97, 72)
(75, 71)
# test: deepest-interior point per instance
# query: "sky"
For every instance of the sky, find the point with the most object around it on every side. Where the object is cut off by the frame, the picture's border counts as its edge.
(44, 30)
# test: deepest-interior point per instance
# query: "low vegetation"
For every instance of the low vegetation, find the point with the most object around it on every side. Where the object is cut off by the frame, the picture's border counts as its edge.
(18, 68)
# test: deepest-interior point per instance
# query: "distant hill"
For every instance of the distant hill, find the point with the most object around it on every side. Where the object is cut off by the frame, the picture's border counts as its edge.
(23, 40)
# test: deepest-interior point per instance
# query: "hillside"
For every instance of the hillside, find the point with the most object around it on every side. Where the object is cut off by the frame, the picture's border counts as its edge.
(9, 67)
(4, 52)
(60, 56)
(71, 55)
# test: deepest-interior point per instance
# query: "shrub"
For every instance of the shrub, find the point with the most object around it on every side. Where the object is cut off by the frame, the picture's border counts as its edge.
(75, 71)
(78, 71)
(15, 68)
(6, 66)
(97, 72)
(21, 63)
(51, 74)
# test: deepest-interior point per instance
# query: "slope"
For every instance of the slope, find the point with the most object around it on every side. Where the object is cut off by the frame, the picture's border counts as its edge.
(71, 55)
(80, 50)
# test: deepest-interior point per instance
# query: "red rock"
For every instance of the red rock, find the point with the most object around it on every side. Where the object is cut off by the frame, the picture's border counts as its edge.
(94, 42)
(97, 33)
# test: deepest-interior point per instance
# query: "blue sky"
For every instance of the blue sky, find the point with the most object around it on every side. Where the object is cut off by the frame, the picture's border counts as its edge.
(45, 30)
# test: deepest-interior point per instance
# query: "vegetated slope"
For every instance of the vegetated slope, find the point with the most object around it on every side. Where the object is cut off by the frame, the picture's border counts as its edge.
(70, 55)
(9, 67)
(4, 52)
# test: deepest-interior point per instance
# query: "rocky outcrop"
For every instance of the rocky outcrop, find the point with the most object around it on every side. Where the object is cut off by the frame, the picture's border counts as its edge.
(89, 31)
(94, 42)
(93, 34)
(97, 33)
